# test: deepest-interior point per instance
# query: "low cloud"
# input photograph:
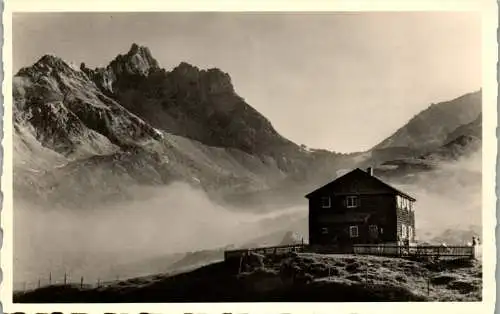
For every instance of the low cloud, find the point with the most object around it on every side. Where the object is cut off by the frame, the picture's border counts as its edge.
(175, 218)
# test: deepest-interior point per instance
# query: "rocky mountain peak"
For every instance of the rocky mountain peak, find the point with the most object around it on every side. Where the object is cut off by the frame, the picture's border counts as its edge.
(137, 61)
(46, 65)
(50, 59)
(187, 70)
(214, 79)
(135, 48)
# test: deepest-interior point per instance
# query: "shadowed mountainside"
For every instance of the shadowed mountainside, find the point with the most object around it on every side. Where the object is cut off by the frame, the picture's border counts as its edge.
(198, 104)
(134, 123)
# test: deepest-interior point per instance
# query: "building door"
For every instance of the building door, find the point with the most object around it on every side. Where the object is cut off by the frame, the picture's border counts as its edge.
(373, 232)
(329, 235)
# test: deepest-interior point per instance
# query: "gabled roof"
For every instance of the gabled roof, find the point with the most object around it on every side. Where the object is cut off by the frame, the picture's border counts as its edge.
(396, 191)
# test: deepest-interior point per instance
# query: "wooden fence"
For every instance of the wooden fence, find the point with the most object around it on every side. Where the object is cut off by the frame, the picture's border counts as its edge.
(363, 249)
(276, 250)
(399, 250)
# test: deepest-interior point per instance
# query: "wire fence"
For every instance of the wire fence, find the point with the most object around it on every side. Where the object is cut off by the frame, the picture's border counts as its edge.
(65, 279)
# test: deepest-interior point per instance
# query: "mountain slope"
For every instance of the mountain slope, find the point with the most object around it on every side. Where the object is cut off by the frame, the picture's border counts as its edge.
(198, 104)
(117, 177)
(474, 128)
(461, 142)
(107, 143)
(464, 142)
(430, 128)
(103, 132)
(444, 132)
(67, 111)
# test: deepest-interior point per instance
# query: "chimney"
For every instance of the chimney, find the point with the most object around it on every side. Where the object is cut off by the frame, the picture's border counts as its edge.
(369, 170)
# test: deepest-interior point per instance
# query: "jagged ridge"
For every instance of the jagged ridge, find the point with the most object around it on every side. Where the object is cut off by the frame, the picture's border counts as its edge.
(63, 106)
(125, 111)
(198, 104)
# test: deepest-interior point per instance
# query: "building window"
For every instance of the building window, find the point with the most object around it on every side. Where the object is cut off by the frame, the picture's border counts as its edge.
(410, 232)
(324, 230)
(326, 202)
(353, 231)
(403, 231)
(404, 203)
(352, 201)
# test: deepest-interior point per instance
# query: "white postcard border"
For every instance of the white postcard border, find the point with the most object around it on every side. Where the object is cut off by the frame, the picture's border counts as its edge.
(490, 51)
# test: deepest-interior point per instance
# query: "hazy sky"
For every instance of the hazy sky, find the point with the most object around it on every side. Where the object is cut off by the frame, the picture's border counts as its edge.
(341, 81)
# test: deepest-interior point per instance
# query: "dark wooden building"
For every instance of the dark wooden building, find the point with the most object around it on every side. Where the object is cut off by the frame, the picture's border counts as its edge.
(358, 208)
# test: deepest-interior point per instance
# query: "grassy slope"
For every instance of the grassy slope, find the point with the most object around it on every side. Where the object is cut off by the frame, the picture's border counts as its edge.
(299, 278)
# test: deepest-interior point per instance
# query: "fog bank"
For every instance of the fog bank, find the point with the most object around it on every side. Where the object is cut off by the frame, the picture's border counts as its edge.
(449, 197)
(176, 218)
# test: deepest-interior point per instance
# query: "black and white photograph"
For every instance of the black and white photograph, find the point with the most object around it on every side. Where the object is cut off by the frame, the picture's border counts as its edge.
(228, 157)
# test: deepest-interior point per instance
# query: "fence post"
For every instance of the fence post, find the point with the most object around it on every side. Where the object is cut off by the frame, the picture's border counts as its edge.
(428, 285)
(65, 278)
(38, 283)
(50, 278)
(81, 283)
(241, 264)
(98, 282)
